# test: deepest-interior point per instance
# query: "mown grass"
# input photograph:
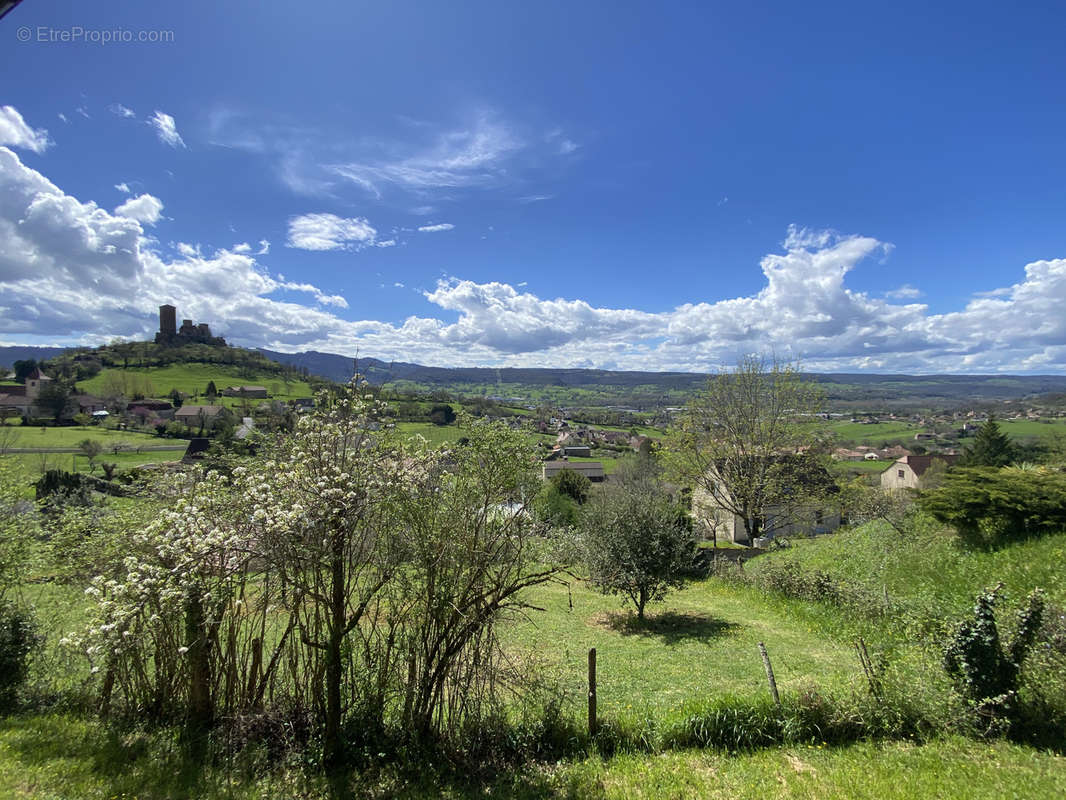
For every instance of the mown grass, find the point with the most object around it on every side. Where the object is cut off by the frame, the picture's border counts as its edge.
(62, 757)
(700, 643)
(1033, 429)
(26, 436)
(33, 465)
(874, 433)
(435, 435)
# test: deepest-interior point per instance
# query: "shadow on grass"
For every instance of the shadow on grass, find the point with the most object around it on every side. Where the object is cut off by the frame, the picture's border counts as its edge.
(671, 627)
(70, 756)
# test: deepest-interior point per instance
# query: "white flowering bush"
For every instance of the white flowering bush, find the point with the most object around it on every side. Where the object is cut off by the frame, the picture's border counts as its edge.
(346, 575)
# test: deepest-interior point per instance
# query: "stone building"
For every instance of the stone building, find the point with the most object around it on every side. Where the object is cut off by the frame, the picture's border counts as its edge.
(172, 336)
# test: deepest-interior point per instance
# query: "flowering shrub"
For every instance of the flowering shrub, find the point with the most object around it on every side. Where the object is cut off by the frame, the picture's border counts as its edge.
(346, 575)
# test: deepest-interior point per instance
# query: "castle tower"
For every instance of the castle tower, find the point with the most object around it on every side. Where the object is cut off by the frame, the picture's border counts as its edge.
(168, 320)
(34, 383)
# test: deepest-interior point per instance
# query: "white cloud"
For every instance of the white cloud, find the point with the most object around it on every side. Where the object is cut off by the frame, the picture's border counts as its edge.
(330, 232)
(123, 187)
(904, 292)
(566, 147)
(535, 198)
(470, 156)
(243, 247)
(143, 208)
(63, 118)
(440, 226)
(166, 128)
(14, 132)
(120, 110)
(264, 247)
(72, 271)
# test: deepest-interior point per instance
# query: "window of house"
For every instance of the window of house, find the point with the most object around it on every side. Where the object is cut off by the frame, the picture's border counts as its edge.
(899, 473)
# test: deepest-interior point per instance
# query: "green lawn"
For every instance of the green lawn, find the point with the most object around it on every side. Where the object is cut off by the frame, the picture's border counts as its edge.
(72, 436)
(610, 465)
(436, 435)
(191, 379)
(701, 643)
(35, 464)
(1032, 429)
(61, 757)
(858, 433)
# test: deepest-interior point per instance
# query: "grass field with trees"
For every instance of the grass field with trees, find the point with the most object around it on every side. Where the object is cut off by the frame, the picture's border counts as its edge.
(353, 610)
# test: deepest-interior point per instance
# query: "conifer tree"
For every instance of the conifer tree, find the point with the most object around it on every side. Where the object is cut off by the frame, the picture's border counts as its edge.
(991, 447)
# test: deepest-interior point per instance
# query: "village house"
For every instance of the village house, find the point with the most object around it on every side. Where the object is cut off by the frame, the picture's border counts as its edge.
(907, 472)
(811, 514)
(205, 417)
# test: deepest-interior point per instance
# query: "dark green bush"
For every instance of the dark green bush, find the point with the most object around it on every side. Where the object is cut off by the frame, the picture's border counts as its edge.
(19, 637)
(985, 667)
(993, 507)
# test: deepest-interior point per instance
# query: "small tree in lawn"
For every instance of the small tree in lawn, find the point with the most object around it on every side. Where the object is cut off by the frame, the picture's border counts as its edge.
(91, 449)
(637, 542)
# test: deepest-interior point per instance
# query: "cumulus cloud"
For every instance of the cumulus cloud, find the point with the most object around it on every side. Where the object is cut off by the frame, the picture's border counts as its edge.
(904, 292)
(14, 132)
(441, 226)
(143, 208)
(330, 232)
(72, 271)
(167, 129)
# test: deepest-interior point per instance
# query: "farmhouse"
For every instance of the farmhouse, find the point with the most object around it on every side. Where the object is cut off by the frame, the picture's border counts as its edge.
(907, 472)
(257, 392)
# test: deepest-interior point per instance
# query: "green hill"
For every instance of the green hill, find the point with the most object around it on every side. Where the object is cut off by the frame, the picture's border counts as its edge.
(192, 379)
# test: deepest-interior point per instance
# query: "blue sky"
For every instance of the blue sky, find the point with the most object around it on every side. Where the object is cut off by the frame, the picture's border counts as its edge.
(622, 185)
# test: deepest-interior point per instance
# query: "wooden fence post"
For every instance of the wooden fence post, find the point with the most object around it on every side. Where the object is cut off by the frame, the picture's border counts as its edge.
(592, 692)
(770, 674)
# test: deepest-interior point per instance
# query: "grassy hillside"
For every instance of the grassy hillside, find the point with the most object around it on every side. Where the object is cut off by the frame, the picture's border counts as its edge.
(929, 570)
(191, 379)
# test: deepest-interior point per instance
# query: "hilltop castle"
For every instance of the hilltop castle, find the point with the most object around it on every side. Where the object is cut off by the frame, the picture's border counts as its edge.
(172, 336)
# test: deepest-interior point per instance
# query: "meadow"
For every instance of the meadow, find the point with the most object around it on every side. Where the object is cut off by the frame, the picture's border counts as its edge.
(700, 645)
(192, 379)
(31, 436)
